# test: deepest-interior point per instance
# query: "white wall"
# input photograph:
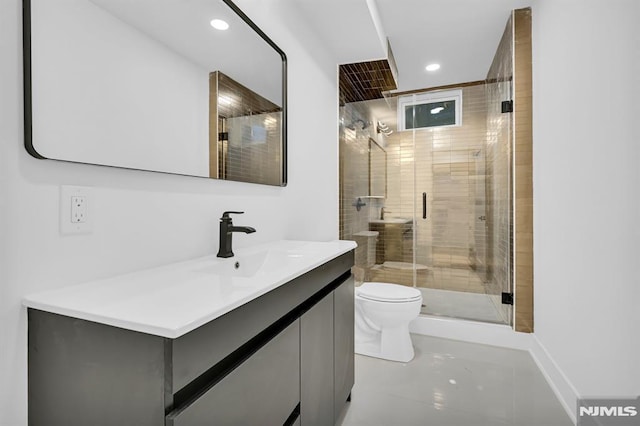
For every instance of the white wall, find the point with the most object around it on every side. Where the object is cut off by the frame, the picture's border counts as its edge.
(142, 219)
(587, 191)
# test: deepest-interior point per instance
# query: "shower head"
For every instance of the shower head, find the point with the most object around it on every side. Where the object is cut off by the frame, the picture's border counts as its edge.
(358, 124)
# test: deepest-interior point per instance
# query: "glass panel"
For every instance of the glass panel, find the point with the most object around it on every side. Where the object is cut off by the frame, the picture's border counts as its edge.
(499, 261)
(499, 269)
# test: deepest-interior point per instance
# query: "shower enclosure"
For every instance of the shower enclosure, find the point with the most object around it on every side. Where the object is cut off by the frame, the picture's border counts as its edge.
(443, 222)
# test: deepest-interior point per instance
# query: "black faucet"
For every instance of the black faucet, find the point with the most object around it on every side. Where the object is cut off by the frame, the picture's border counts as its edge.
(226, 232)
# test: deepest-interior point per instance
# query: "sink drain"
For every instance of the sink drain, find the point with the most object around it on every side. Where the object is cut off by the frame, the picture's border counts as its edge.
(237, 265)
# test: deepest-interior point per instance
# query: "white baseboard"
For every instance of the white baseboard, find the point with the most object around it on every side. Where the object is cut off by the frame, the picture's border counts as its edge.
(471, 331)
(502, 336)
(560, 384)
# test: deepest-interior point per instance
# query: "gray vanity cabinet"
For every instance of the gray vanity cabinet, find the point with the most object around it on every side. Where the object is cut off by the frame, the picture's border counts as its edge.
(344, 342)
(285, 358)
(83, 373)
(326, 346)
(316, 362)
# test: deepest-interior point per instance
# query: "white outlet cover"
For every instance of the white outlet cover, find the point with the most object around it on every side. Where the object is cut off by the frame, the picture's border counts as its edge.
(67, 226)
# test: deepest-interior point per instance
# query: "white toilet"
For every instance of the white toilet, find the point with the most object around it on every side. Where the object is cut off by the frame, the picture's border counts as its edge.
(383, 314)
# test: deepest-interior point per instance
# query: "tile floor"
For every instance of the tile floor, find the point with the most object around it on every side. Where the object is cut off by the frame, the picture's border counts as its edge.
(453, 383)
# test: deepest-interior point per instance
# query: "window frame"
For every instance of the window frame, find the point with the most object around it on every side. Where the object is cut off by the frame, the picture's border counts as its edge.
(427, 98)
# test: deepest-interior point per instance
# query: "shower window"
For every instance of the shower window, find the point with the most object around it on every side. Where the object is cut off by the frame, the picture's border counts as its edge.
(434, 109)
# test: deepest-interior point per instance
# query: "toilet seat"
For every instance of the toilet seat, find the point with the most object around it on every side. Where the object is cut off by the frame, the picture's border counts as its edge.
(387, 292)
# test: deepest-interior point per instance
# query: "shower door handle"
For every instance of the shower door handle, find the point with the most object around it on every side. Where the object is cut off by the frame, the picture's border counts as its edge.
(424, 205)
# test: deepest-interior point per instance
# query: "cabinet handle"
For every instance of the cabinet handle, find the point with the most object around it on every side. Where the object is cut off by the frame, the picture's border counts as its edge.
(424, 205)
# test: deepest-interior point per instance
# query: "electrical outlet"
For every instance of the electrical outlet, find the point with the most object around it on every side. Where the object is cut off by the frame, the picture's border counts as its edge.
(75, 216)
(78, 209)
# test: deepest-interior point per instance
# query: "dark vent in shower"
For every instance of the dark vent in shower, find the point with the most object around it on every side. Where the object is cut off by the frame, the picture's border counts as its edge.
(365, 81)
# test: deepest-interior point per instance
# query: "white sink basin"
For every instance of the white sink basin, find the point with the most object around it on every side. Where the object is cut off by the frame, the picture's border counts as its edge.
(395, 220)
(249, 265)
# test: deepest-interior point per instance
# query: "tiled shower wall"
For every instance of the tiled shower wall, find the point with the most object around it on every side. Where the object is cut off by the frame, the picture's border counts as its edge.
(252, 150)
(356, 128)
(354, 175)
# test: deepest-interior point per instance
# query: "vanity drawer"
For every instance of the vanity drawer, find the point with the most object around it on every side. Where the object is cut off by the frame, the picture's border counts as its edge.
(263, 390)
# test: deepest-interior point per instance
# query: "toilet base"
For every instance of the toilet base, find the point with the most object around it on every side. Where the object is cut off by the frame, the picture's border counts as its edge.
(394, 345)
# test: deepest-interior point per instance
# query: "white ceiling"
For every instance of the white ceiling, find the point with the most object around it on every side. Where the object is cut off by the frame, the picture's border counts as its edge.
(345, 26)
(461, 35)
(183, 27)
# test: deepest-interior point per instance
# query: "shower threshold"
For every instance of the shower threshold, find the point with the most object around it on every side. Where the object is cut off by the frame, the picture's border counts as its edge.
(463, 305)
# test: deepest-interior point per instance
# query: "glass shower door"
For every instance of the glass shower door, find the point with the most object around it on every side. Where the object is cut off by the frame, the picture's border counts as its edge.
(443, 223)
(451, 226)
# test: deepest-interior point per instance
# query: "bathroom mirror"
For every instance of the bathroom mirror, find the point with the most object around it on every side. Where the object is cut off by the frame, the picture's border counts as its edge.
(153, 85)
(377, 170)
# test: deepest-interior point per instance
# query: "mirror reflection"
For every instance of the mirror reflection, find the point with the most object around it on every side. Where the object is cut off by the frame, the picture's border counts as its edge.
(377, 170)
(155, 85)
(248, 133)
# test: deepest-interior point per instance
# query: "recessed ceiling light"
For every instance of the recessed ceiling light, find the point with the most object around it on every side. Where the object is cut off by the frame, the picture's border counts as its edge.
(219, 24)
(433, 67)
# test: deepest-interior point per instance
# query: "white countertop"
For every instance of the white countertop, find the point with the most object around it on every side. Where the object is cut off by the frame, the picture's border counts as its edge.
(174, 299)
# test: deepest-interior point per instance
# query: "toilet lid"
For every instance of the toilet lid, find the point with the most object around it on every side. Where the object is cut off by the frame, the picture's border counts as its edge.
(387, 292)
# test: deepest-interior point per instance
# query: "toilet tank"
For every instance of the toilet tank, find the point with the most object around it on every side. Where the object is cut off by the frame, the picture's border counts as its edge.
(366, 250)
